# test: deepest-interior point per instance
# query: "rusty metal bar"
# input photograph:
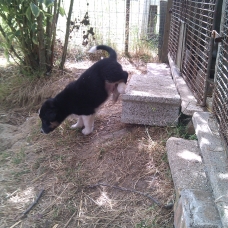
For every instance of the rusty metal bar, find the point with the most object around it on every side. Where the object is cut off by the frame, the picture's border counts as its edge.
(209, 58)
(198, 46)
(220, 95)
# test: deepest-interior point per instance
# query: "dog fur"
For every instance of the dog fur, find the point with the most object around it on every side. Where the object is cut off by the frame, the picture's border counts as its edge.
(84, 96)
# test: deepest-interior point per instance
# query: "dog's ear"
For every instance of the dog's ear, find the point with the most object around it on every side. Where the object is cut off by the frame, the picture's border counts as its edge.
(52, 116)
(52, 110)
(50, 103)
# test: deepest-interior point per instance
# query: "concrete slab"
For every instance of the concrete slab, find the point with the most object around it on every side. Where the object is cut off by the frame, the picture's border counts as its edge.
(196, 209)
(151, 99)
(186, 165)
(194, 206)
(215, 160)
(188, 102)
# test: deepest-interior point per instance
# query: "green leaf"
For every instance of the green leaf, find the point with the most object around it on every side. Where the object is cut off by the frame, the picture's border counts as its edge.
(6, 53)
(48, 3)
(61, 11)
(9, 34)
(34, 40)
(47, 14)
(4, 8)
(28, 13)
(20, 1)
(40, 1)
(34, 27)
(17, 33)
(35, 9)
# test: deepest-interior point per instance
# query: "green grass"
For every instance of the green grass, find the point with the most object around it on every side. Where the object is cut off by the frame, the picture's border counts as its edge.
(180, 132)
(5, 156)
(18, 175)
(19, 157)
(145, 224)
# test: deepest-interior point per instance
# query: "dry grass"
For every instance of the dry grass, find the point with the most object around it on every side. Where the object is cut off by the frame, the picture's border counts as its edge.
(67, 165)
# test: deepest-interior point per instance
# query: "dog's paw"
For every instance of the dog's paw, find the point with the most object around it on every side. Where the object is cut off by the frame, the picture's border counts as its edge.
(77, 125)
(87, 131)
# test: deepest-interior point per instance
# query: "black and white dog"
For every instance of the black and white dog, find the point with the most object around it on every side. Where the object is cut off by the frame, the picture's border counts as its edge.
(84, 96)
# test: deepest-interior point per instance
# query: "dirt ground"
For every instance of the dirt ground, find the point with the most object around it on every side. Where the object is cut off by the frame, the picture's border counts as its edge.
(115, 177)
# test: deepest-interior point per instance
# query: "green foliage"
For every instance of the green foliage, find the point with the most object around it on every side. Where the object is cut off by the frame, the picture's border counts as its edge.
(19, 157)
(29, 29)
(180, 132)
(142, 47)
(144, 224)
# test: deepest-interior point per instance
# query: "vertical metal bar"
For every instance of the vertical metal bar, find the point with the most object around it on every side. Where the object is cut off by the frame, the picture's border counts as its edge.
(220, 95)
(205, 89)
(127, 26)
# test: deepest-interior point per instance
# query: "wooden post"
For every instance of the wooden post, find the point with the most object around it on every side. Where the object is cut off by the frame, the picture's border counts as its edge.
(127, 26)
(66, 36)
(164, 47)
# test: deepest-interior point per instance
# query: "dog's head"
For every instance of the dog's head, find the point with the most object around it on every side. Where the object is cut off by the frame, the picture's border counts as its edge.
(48, 116)
(120, 87)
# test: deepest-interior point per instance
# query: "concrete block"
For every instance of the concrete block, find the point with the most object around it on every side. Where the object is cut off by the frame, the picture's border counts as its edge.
(186, 165)
(194, 206)
(196, 209)
(215, 159)
(188, 102)
(190, 128)
(151, 99)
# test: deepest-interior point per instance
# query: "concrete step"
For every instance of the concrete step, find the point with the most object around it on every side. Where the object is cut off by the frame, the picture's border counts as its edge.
(189, 103)
(215, 159)
(151, 99)
(194, 206)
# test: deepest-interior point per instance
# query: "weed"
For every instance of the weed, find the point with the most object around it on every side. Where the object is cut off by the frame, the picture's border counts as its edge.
(192, 137)
(36, 165)
(141, 47)
(18, 175)
(154, 109)
(152, 208)
(19, 157)
(101, 153)
(165, 158)
(56, 213)
(34, 132)
(71, 207)
(5, 156)
(77, 52)
(144, 224)
(180, 132)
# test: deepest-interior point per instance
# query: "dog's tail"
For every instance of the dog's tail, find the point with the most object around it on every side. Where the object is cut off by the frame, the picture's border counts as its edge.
(112, 53)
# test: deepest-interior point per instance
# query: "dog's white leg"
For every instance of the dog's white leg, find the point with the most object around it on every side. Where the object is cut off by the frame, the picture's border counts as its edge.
(88, 123)
(79, 123)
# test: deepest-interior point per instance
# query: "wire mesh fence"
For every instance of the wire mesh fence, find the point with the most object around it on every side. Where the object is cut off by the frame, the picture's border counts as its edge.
(195, 51)
(190, 42)
(220, 96)
(198, 46)
(176, 12)
(105, 21)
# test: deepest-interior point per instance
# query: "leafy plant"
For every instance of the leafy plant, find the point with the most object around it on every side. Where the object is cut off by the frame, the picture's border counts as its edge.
(180, 131)
(29, 31)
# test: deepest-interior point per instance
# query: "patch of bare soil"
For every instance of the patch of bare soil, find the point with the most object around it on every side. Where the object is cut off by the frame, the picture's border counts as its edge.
(115, 177)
